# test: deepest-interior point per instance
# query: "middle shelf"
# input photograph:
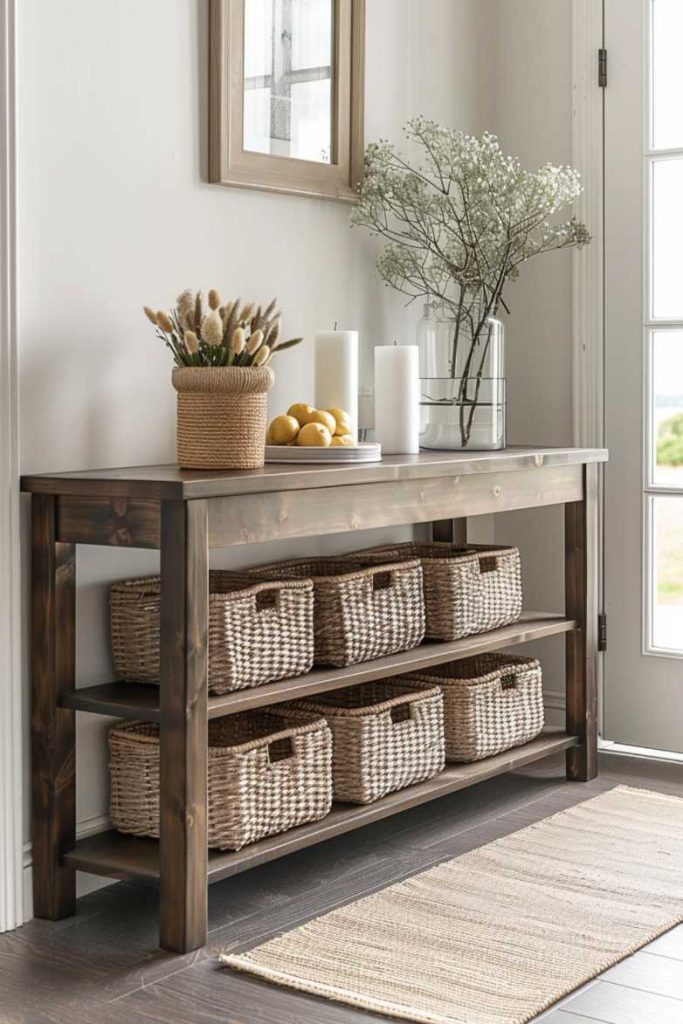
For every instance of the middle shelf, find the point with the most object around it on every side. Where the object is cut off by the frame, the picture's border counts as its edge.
(141, 700)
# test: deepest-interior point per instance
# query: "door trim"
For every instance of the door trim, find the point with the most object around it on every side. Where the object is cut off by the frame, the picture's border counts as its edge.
(588, 324)
(11, 724)
(588, 264)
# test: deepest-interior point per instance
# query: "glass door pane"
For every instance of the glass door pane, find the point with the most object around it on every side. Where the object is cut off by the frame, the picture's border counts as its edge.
(666, 403)
(667, 74)
(666, 203)
(666, 597)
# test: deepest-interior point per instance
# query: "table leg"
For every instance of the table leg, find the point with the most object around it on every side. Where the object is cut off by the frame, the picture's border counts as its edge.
(581, 583)
(184, 724)
(53, 754)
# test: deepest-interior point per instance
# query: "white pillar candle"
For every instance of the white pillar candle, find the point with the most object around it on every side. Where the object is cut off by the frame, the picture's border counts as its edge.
(336, 373)
(397, 399)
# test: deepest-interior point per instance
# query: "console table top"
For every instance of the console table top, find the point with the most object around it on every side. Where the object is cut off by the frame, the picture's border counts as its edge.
(170, 482)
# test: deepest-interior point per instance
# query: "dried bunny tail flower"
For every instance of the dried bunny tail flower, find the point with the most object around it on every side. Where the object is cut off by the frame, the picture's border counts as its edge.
(237, 341)
(269, 310)
(273, 333)
(212, 328)
(191, 342)
(185, 307)
(164, 321)
(254, 342)
(214, 299)
(151, 315)
(261, 356)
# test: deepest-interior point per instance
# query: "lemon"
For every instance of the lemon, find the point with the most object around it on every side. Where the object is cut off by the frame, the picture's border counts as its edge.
(314, 435)
(342, 441)
(301, 412)
(342, 420)
(326, 418)
(283, 429)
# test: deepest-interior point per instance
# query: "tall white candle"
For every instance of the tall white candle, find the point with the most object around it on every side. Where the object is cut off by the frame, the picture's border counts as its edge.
(397, 399)
(336, 373)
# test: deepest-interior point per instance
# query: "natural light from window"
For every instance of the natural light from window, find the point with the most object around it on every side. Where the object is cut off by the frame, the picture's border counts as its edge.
(664, 450)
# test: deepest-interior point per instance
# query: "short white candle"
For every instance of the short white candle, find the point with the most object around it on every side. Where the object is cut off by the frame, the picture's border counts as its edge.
(336, 373)
(397, 399)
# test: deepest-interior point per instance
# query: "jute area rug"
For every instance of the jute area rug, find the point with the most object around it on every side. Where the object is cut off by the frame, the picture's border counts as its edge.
(499, 934)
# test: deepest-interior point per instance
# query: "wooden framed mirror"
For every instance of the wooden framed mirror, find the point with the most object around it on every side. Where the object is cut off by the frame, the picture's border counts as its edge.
(286, 95)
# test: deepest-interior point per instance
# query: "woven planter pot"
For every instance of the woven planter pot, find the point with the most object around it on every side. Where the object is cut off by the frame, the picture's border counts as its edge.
(387, 734)
(492, 702)
(222, 416)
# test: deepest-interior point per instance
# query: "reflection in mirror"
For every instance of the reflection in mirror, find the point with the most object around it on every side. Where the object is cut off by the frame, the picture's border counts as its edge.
(288, 75)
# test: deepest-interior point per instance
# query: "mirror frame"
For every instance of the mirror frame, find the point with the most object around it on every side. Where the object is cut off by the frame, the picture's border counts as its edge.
(231, 164)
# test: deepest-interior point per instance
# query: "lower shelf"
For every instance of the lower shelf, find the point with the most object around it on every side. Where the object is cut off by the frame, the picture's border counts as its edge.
(125, 857)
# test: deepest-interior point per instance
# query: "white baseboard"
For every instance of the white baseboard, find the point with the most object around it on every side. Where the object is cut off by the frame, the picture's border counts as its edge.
(84, 883)
(554, 700)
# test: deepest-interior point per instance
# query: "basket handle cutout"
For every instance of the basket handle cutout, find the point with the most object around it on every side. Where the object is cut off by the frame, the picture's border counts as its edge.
(266, 599)
(400, 713)
(488, 564)
(508, 682)
(280, 750)
(381, 580)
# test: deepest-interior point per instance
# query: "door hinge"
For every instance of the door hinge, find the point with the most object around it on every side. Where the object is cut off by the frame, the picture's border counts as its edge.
(602, 632)
(602, 68)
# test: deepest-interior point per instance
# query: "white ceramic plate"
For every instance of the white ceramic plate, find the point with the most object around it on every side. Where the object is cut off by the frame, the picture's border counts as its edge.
(365, 452)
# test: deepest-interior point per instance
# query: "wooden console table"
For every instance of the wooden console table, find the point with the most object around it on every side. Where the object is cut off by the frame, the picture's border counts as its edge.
(184, 514)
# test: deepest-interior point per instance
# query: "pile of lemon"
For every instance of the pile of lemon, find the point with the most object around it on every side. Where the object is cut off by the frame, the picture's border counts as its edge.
(316, 428)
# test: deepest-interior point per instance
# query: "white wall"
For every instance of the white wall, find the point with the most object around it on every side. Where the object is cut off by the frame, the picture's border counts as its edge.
(114, 213)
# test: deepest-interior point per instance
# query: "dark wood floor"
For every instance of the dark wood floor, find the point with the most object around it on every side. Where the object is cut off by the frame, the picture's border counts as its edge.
(102, 966)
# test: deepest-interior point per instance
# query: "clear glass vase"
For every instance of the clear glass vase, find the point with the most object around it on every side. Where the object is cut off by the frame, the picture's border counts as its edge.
(462, 383)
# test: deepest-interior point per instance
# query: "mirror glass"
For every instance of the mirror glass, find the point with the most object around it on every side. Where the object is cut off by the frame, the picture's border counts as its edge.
(288, 75)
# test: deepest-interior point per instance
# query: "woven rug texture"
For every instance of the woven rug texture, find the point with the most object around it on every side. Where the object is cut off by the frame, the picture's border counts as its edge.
(499, 934)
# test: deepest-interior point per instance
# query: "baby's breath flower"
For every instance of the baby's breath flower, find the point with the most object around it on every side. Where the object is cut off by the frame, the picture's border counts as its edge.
(212, 328)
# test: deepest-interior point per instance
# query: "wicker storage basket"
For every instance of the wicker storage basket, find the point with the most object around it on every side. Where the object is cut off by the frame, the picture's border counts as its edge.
(491, 702)
(267, 772)
(258, 632)
(467, 590)
(359, 613)
(222, 416)
(387, 735)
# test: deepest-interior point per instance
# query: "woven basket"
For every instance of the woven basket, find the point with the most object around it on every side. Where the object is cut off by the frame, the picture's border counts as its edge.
(222, 416)
(359, 613)
(267, 772)
(491, 702)
(467, 590)
(387, 735)
(258, 632)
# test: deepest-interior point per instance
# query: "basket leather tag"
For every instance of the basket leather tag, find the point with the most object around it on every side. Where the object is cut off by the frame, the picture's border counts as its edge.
(381, 581)
(400, 713)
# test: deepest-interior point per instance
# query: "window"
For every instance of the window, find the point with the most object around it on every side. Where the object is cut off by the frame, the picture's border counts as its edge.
(664, 333)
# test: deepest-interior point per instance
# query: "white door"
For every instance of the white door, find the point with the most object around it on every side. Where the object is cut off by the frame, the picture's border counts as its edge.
(643, 678)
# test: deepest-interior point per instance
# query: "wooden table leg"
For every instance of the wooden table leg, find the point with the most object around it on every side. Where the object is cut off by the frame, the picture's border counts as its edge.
(184, 724)
(581, 602)
(53, 619)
